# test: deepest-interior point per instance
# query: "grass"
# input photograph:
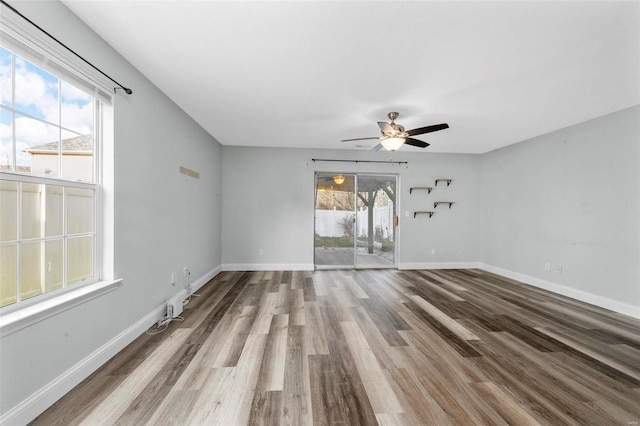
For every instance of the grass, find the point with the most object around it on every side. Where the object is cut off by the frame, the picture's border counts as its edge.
(334, 241)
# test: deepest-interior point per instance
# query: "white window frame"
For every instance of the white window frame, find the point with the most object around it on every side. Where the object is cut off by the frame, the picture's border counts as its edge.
(28, 42)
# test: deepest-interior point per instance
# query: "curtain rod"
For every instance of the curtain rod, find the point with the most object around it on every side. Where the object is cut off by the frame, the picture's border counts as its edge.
(126, 89)
(360, 161)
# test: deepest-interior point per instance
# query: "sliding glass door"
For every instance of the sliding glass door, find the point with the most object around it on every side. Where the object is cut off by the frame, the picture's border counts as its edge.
(334, 238)
(354, 221)
(375, 221)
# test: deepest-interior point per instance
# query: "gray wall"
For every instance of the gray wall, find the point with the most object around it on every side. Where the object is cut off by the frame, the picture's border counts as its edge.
(268, 204)
(164, 220)
(570, 198)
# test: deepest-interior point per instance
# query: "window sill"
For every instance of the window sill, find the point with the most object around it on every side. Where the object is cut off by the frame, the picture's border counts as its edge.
(17, 320)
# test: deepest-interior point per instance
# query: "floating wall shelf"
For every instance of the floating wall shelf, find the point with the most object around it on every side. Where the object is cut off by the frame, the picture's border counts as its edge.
(430, 213)
(448, 180)
(443, 202)
(428, 188)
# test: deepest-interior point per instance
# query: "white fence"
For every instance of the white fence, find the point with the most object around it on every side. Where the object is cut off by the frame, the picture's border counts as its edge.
(331, 223)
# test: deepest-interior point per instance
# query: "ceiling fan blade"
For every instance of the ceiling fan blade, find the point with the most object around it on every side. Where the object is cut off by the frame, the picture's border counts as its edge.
(376, 148)
(416, 142)
(428, 129)
(385, 127)
(359, 139)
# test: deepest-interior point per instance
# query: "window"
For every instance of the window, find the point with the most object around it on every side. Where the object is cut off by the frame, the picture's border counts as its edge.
(49, 181)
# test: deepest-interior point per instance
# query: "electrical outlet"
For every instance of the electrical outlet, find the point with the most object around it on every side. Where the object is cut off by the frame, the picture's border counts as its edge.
(261, 252)
(547, 266)
(433, 251)
(559, 269)
(186, 272)
(174, 278)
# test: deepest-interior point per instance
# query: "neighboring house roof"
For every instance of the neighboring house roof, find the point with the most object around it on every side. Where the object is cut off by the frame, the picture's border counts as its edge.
(78, 145)
(26, 169)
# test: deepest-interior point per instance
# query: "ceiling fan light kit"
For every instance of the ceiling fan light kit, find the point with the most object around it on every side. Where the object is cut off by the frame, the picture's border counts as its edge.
(392, 144)
(394, 135)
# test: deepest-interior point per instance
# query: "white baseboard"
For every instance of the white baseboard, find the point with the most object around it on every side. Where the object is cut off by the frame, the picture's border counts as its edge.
(439, 265)
(197, 284)
(42, 399)
(583, 296)
(268, 267)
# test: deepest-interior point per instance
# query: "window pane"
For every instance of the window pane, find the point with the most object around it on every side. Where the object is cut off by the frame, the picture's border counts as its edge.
(5, 77)
(79, 259)
(41, 210)
(8, 274)
(36, 147)
(36, 92)
(6, 140)
(80, 210)
(41, 268)
(77, 109)
(8, 210)
(77, 156)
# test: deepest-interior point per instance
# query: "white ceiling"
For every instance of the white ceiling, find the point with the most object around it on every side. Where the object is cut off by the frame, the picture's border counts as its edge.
(308, 74)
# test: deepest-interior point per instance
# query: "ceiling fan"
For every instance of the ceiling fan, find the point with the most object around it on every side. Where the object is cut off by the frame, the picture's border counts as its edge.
(394, 135)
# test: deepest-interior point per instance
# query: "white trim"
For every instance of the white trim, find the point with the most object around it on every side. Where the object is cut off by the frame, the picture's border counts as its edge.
(439, 265)
(46, 396)
(196, 285)
(21, 318)
(583, 296)
(267, 267)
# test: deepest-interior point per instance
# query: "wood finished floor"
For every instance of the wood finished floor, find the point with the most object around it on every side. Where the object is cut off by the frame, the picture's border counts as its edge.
(454, 347)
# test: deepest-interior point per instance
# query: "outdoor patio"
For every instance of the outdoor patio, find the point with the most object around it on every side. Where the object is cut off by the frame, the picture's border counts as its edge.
(343, 256)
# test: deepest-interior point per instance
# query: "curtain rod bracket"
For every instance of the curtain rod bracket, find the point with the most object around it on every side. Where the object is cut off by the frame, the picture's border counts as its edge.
(126, 90)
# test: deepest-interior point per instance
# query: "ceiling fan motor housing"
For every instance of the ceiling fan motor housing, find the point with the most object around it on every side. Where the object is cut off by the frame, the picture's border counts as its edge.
(397, 129)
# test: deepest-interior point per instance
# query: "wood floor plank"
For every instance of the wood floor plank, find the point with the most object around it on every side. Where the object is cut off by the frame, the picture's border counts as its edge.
(231, 343)
(419, 407)
(208, 403)
(296, 307)
(309, 290)
(508, 409)
(460, 345)
(117, 402)
(236, 406)
(266, 408)
(380, 393)
(174, 409)
(315, 337)
(194, 376)
(444, 319)
(273, 362)
(367, 347)
(296, 401)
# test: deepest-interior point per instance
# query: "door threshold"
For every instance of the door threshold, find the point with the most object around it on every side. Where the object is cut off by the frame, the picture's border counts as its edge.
(328, 267)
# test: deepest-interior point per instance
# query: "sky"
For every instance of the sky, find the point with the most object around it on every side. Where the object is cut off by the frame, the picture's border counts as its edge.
(53, 104)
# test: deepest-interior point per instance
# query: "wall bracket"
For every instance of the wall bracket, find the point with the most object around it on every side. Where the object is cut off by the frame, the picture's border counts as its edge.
(430, 213)
(448, 180)
(443, 202)
(428, 188)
